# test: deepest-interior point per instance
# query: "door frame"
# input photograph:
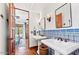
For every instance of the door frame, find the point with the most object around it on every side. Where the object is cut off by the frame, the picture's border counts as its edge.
(11, 24)
(26, 24)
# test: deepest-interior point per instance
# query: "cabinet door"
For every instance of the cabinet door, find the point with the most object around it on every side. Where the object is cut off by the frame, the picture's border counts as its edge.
(59, 20)
(11, 25)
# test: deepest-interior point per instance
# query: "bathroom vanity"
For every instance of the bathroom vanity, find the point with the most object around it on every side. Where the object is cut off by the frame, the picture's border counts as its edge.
(61, 47)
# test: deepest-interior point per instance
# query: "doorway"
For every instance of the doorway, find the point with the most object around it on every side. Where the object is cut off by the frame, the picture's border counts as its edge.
(21, 31)
(20, 41)
(18, 22)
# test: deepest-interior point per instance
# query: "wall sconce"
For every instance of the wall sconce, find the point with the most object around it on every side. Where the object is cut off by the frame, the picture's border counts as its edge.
(49, 18)
(1, 16)
(27, 21)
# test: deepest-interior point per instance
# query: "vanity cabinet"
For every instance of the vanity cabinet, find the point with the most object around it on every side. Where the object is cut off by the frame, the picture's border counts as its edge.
(51, 51)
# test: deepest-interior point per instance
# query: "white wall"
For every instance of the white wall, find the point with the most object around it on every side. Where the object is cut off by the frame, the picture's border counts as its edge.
(42, 23)
(50, 10)
(75, 14)
(34, 18)
(3, 29)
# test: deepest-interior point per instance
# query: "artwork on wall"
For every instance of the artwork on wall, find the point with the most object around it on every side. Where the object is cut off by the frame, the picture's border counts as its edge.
(63, 16)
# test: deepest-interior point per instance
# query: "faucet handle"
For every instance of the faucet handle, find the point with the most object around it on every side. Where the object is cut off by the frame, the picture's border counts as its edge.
(59, 38)
(66, 40)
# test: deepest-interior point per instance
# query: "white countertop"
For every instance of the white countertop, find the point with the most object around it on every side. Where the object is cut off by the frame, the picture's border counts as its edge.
(62, 47)
(38, 37)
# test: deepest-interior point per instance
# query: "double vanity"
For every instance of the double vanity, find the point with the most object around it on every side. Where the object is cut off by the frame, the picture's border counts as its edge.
(59, 47)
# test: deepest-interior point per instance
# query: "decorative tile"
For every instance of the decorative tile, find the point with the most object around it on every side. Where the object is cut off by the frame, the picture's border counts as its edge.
(72, 34)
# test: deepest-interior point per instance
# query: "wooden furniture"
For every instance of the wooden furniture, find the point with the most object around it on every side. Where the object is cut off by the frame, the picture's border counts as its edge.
(11, 25)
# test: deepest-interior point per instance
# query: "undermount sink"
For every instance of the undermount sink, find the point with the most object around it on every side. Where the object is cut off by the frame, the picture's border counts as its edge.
(61, 46)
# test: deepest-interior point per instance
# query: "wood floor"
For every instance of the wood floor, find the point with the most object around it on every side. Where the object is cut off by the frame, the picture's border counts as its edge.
(31, 51)
(26, 51)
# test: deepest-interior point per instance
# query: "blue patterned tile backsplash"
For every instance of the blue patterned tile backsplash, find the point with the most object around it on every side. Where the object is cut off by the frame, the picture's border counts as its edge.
(71, 34)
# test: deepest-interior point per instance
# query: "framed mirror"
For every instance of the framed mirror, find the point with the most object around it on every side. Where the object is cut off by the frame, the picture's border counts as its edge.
(63, 16)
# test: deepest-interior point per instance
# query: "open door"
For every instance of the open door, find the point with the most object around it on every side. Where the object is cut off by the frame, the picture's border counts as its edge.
(23, 16)
(11, 25)
(59, 20)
